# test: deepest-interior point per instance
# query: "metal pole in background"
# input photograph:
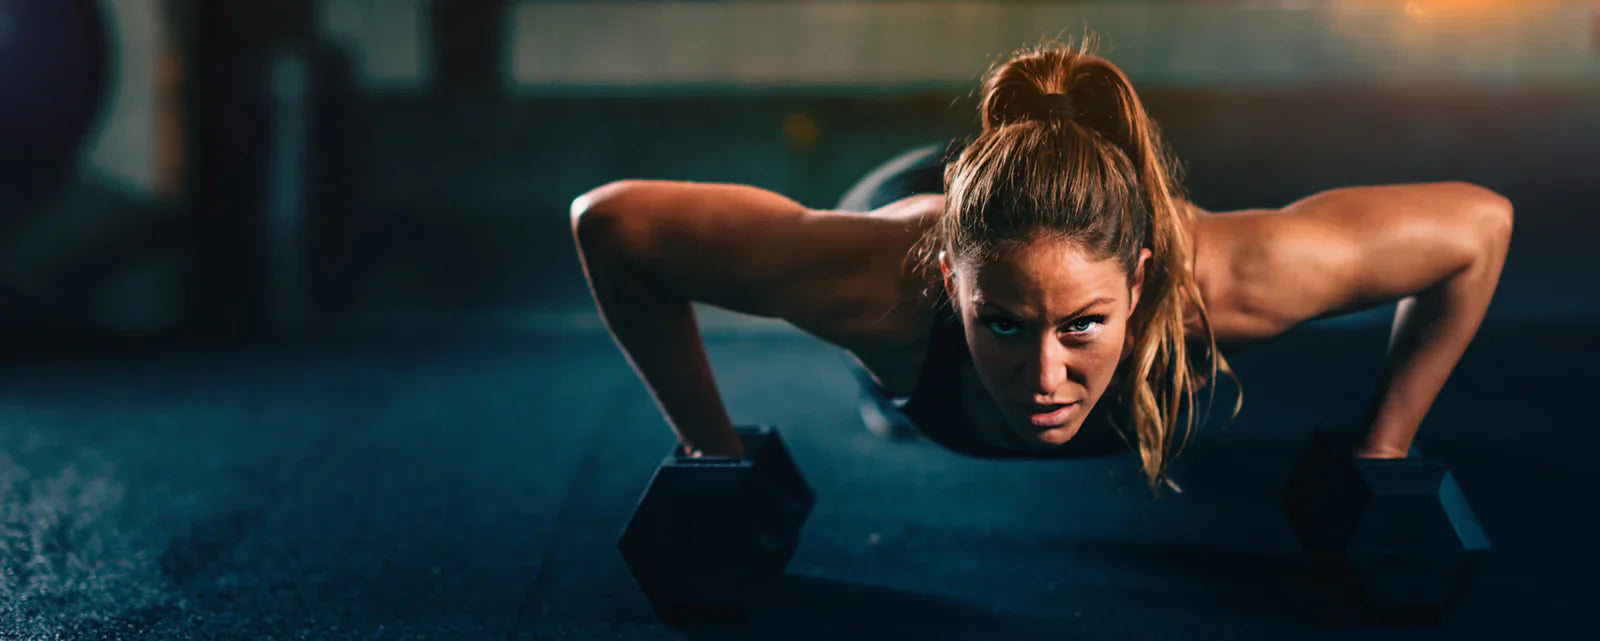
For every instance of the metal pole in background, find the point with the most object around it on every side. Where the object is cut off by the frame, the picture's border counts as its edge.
(469, 48)
(263, 111)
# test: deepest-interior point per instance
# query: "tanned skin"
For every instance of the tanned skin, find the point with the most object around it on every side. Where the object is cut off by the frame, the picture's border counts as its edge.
(651, 248)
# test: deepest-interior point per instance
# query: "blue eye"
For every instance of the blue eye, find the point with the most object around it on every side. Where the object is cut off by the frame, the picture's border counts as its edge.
(1002, 326)
(1081, 322)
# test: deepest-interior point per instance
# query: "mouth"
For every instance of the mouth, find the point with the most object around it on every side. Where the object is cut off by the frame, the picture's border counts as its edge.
(1050, 415)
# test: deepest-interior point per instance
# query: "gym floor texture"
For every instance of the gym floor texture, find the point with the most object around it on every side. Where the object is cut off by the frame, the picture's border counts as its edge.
(472, 487)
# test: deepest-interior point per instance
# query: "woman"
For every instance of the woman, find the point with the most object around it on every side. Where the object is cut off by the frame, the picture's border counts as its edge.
(1055, 294)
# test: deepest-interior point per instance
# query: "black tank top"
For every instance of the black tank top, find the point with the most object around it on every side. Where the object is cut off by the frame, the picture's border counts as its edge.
(937, 406)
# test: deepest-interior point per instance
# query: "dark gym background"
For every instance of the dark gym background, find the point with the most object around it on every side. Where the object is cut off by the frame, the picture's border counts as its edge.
(295, 343)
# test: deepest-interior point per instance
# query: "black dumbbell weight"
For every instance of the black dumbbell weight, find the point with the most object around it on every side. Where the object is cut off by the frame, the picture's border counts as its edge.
(1396, 533)
(711, 535)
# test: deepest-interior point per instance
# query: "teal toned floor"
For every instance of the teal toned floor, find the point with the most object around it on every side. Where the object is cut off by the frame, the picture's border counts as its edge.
(472, 488)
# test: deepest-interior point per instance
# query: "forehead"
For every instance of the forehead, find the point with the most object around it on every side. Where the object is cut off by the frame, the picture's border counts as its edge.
(1046, 271)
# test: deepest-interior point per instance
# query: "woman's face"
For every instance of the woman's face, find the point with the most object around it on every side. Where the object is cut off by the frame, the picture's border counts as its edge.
(1047, 326)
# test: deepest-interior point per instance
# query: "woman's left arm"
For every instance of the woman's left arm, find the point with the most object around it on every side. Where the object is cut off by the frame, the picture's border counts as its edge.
(1437, 248)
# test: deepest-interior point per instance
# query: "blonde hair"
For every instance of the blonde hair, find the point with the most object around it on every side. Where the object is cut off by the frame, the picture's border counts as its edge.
(1067, 152)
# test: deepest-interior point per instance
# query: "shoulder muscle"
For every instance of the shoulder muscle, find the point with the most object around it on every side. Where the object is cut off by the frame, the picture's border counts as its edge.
(753, 251)
(1334, 252)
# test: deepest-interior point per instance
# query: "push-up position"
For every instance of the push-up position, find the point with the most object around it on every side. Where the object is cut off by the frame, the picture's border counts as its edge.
(1045, 289)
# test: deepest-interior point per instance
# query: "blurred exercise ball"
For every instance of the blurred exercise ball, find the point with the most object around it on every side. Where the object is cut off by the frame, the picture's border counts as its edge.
(53, 77)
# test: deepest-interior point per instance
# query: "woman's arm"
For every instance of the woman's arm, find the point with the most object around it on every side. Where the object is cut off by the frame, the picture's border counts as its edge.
(652, 248)
(1438, 248)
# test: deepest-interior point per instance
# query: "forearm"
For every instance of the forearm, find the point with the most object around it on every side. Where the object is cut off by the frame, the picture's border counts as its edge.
(659, 335)
(1431, 332)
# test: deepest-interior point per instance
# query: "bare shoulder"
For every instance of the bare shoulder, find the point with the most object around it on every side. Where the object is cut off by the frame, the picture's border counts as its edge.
(835, 274)
(1338, 251)
(868, 296)
(905, 290)
(1222, 242)
(891, 337)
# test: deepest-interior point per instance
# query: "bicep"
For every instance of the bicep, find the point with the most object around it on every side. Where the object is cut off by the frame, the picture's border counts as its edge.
(1348, 249)
(743, 248)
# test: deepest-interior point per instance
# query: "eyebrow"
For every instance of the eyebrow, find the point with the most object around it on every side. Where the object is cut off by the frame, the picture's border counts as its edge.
(1060, 320)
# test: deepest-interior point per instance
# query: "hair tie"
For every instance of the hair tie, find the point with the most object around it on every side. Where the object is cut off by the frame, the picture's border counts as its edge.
(1058, 104)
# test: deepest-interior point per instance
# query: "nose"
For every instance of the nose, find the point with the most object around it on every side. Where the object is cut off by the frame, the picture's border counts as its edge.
(1048, 371)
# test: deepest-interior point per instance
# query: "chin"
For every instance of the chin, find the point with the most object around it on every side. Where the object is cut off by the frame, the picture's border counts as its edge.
(1050, 437)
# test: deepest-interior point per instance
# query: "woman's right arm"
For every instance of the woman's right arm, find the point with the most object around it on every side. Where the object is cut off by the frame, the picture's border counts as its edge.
(652, 248)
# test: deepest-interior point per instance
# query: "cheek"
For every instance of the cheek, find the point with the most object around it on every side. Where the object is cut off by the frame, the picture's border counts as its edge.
(1110, 352)
(1100, 362)
(1112, 342)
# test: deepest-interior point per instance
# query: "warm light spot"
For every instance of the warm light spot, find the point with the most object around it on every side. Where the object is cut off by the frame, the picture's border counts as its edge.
(801, 130)
(1414, 10)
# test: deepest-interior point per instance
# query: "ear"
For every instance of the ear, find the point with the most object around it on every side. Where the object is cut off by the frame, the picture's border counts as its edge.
(948, 273)
(1137, 290)
(1133, 302)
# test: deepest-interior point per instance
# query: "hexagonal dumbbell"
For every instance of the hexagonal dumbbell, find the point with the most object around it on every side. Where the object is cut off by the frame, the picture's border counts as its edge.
(710, 535)
(1396, 532)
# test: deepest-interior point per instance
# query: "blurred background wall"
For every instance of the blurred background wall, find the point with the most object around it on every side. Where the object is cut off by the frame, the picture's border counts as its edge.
(429, 150)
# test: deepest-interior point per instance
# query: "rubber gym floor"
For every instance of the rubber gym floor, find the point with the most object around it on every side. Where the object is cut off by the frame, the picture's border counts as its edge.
(472, 486)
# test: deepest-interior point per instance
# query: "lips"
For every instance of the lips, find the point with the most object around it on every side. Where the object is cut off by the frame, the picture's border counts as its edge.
(1050, 415)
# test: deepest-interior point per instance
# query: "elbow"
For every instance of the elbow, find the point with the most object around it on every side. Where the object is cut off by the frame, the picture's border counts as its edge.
(1493, 216)
(1501, 214)
(594, 214)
